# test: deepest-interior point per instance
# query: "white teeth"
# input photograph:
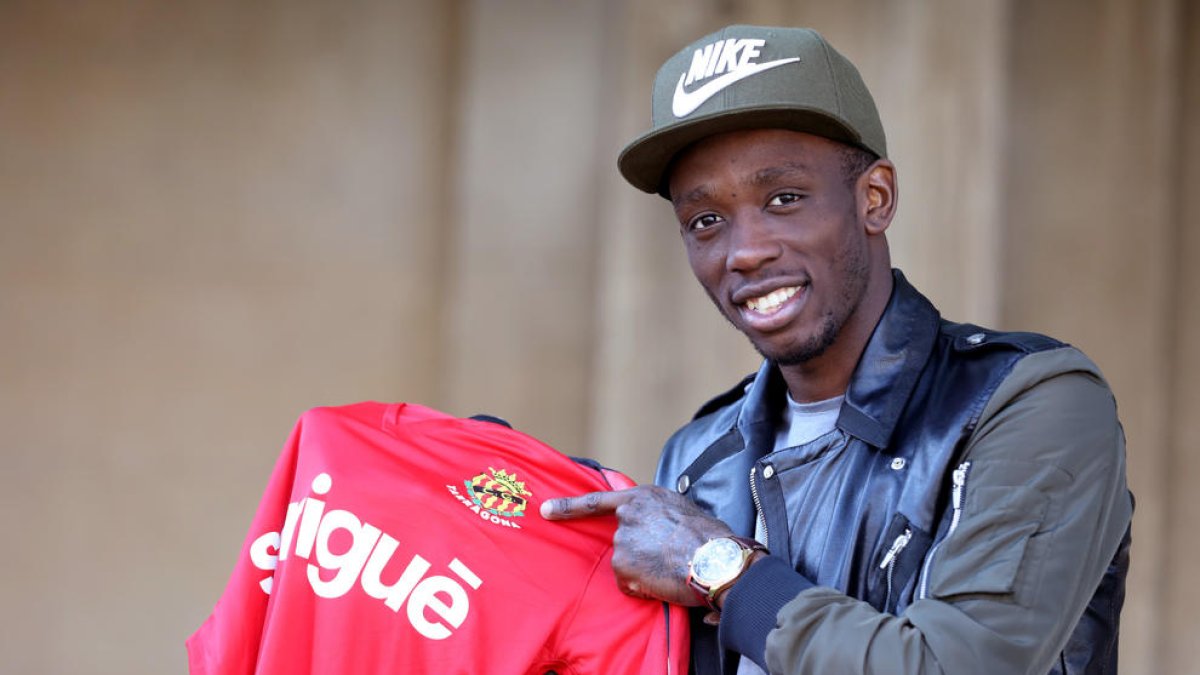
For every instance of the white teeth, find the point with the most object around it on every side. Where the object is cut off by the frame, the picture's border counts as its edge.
(772, 301)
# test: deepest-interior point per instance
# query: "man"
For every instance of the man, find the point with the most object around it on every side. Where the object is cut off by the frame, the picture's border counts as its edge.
(891, 492)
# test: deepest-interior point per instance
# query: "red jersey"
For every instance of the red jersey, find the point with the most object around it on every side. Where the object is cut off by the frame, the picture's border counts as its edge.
(398, 539)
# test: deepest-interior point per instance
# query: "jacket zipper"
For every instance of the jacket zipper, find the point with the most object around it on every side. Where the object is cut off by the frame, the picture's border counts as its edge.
(959, 477)
(889, 560)
(758, 512)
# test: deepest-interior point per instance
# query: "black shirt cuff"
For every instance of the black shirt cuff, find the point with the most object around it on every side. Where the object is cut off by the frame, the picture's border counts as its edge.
(748, 612)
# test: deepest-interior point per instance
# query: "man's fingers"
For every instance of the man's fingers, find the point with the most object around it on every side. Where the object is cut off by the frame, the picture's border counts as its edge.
(583, 506)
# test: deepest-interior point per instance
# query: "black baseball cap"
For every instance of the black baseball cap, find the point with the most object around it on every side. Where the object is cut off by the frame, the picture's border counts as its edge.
(751, 77)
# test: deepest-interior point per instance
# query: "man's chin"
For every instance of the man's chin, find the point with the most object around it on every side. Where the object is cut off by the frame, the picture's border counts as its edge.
(782, 349)
(788, 358)
(798, 351)
(799, 356)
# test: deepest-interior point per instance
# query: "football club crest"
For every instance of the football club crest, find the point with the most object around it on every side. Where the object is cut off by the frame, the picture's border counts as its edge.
(499, 492)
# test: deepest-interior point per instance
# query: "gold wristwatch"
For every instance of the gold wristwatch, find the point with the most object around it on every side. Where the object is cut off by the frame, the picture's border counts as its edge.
(718, 563)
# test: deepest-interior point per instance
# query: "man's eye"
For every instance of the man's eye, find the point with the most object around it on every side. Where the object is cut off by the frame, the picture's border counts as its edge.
(784, 199)
(703, 222)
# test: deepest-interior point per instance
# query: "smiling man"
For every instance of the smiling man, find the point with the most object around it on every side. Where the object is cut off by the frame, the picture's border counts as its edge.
(891, 491)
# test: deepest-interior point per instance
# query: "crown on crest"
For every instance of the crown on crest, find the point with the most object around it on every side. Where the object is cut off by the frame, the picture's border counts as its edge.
(509, 480)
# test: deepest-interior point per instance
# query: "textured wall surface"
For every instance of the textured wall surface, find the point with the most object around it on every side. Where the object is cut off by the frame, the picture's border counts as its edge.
(219, 214)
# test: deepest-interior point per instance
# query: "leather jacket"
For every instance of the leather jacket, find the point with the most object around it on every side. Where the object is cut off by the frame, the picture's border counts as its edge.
(863, 509)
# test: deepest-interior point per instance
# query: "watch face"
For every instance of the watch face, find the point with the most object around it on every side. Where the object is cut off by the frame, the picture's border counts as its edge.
(717, 561)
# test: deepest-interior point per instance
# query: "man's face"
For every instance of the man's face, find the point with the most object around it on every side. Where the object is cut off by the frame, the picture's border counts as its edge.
(774, 235)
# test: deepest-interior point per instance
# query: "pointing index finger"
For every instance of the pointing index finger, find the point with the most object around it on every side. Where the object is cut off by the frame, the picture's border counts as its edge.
(583, 506)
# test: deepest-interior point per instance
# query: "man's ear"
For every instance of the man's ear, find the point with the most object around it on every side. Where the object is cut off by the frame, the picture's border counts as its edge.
(878, 195)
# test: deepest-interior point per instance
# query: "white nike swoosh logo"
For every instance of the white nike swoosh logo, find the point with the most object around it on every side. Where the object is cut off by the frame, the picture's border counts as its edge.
(685, 102)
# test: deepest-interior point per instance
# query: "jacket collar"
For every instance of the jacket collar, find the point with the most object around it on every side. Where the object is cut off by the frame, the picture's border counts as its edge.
(882, 382)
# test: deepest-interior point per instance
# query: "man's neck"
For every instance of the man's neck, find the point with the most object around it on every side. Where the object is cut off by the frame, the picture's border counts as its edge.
(809, 382)
(828, 375)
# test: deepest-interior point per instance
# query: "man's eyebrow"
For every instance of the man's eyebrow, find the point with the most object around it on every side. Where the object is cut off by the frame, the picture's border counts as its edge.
(767, 176)
(772, 174)
(694, 195)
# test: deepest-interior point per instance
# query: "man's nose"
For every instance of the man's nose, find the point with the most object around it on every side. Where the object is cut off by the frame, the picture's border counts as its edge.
(753, 243)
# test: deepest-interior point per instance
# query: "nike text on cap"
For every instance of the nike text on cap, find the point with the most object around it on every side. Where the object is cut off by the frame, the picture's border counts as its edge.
(751, 77)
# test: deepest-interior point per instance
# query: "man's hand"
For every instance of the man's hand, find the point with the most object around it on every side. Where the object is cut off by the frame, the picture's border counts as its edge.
(657, 532)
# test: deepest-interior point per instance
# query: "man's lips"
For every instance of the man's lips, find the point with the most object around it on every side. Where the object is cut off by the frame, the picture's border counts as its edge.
(771, 302)
(768, 294)
(767, 309)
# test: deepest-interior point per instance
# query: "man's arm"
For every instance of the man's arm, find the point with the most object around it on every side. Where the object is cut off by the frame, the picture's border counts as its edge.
(1045, 508)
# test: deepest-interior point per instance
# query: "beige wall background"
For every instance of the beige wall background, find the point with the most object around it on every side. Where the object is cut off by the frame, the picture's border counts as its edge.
(214, 215)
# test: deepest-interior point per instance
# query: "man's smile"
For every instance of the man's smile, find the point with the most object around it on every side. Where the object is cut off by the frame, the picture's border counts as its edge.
(771, 310)
(771, 302)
